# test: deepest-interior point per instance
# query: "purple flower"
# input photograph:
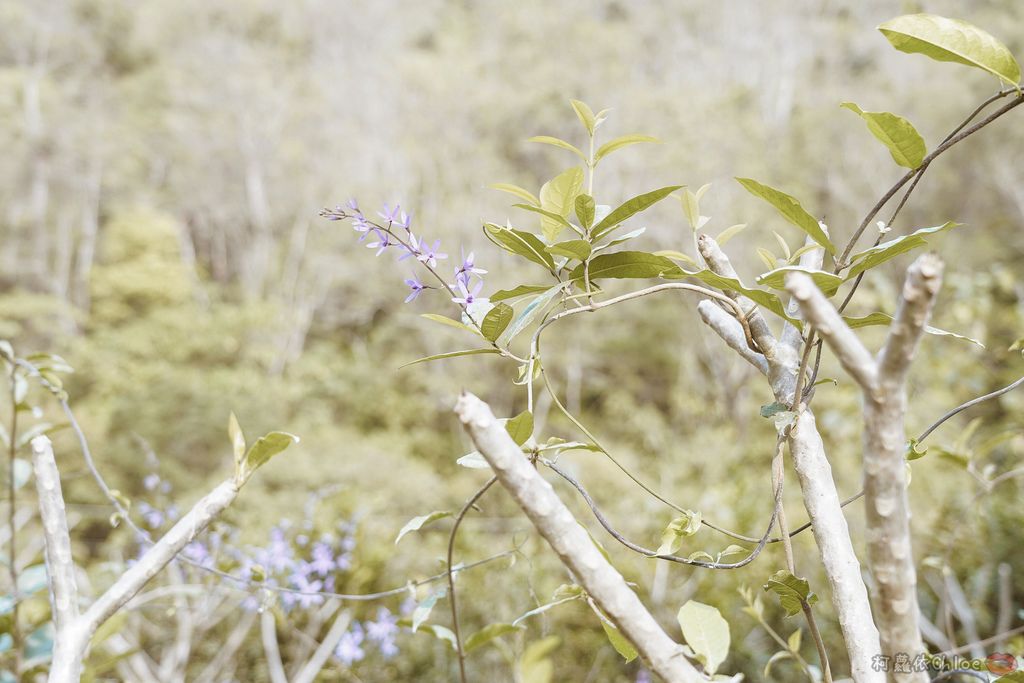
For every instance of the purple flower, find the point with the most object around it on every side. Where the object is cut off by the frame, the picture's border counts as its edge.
(348, 650)
(151, 481)
(322, 559)
(308, 597)
(198, 553)
(354, 205)
(151, 516)
(384, 628)
(382, 242)
(643, 676)
(361, 225)
(468, 266)
(416, 286)
(431, 255)
(468, 296)
(392, 215)
(412, 250)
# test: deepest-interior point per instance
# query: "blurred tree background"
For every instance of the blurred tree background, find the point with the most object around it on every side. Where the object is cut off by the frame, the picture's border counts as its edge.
(163, 164)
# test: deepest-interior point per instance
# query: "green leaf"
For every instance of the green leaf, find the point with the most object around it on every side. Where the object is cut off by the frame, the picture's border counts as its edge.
(765, 299)
(729, 233)
(237, 439)
(620, 142)
(794, 640)
(677, 256)
(706, 632)
(691, 206)
(520, 192)
(417, 523)
(519, 242)
(915, 450)
(585, 208)
(445, 320)
(792, 591)
(266, 447)
(43, 428)
(869, 258)
(678, 529)
(496, 320)
(556, 142)
(951, 40)
(630, 208)
(574, 249)
(487, 634)
(776, 279)
(535, 666)
(586, 116)
(436, 630)
(619, 642)
(516, 292)
(884, 319)
(531, 311)
(520, 427)
(422, 611)
(905, 144)
(628, 264)
(620, 239)
(450, 354)
(558, 196)
(474, 461)
(49, 361)
(547, 215)
(790, 209)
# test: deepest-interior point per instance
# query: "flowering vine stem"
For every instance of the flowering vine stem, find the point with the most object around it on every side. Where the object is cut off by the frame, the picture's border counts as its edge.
(424, 253)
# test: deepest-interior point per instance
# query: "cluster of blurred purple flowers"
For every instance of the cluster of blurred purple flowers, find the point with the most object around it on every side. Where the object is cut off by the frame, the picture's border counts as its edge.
(395, 231)
(380, 632)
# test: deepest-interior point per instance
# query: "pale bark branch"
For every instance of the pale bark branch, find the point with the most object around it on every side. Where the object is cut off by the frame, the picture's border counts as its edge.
(731, 332)
(887, 510)
(719, 263)
(852, 354)
(60, 564)
(577, 551)
(791, 336)
(268, 633)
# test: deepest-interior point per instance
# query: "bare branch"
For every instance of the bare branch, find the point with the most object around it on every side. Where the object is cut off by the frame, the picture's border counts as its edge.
(573, 545)
(60, 564)
(731, 332)
(922, 285)
(811, 260)
(268, 633)
(719, 263)
(817, 310)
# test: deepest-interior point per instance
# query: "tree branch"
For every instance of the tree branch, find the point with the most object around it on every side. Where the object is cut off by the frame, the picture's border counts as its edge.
(852, 354)
(919, 291)
(60, 564)
(731, 332)
(316, 663)
(573, 545)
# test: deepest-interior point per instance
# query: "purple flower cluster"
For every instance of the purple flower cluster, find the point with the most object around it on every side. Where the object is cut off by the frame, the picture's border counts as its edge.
(387, 235)
(380, 632)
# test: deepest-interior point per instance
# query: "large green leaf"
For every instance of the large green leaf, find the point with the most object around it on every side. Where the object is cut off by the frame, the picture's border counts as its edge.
(496, 320)
(520, 242)
(619, 642)
(520, 427)
(520, 192)
(585, 209)
(790, 209)
(574, 249)
(546, 215)
(869, 258)
(765, 299)
(558, 197)
(905, 144)
(266, 447)
(531, 311)
(628, 264)
(417, 523)
(629, 208)
(558, 142)
(706, 632)
(951, 40)
(450, 354)
(487, 634)
(792, 591)
(776, 279)
(879, 318)
(445, 320)
(620, 142)
(535, 666)
(518, 291)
